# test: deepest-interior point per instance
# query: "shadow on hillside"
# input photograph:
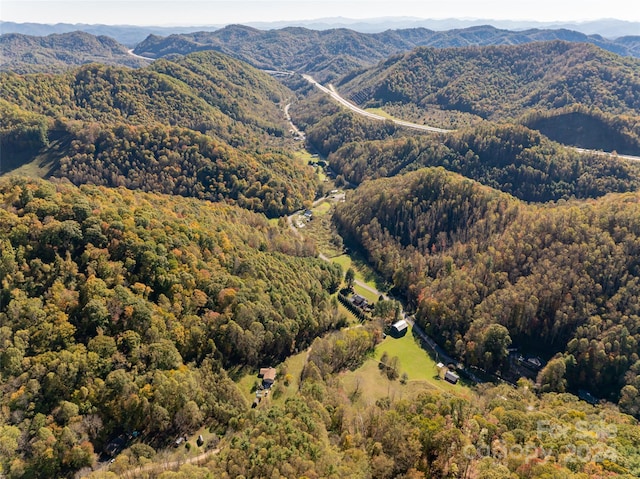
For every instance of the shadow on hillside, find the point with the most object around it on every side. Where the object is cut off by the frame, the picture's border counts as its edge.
(41, 162)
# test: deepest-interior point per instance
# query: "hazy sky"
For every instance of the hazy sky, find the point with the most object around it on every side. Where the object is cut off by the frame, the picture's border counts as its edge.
(214, 12)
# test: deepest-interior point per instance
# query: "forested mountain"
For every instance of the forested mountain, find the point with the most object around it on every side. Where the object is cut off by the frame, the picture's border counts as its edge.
(128, 35)
(632, 43)
(332, 53)
(510, 158)
(59, 52)
(485, 271)
(139, 294)
(506, 82)
(503, 81)
(207, 91)
(120, 310)
(204, 125)
(133, 34)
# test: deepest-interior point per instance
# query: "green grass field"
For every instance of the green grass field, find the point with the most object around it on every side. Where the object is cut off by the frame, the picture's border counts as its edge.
(366, 294)
(351, 318)
(304, 156)
(37, 168)
(381, 112)
(367, 384)
(363, 271)
(344, 260)
(292, 365)
(420, 368)
(322, 209)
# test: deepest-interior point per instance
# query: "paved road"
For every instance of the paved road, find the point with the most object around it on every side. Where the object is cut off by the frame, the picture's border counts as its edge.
(130, 52)
(598, 152)
(336, 96)
(293, 126)
(441, 354)
(282, 73)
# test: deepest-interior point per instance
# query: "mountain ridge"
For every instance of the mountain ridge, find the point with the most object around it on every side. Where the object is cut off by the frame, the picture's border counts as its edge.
(57, 52)
(132, 34)
(309, 51)
(205, 125)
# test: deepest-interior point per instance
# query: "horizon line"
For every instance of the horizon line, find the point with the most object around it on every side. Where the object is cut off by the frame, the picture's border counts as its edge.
(330, 19)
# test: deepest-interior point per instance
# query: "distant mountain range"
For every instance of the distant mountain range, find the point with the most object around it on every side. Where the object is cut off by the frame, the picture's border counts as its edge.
(608, 28)
(327, 54)
(332, 53)
(130, 35)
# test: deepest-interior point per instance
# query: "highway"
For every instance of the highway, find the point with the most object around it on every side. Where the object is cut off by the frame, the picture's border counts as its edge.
(130, 52)
(336, 96)
(605, 153)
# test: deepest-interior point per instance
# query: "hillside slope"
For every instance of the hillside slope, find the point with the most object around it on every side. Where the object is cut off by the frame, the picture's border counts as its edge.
(204, 125)
(555, 278)
(524, 83)
(121, 311)
(499, 81)
(510, 158)
(59, 52)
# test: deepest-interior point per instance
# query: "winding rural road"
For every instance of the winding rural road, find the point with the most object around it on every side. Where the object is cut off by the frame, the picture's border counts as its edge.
(293, 126)
(168, 466)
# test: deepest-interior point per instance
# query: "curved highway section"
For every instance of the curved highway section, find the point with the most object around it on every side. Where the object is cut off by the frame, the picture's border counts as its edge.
(370, 115)
(336, 96)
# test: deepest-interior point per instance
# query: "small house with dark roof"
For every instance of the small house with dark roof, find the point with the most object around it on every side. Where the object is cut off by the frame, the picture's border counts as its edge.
(358, 301)
(451, 377)
(115, 446)
(268, 376)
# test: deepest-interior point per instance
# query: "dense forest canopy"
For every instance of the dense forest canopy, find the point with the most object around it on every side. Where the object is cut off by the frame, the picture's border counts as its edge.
(204, 125)
(510, 158)
(505, 433)
(120, 310)
(556, 278)
(125, 312)
(207, 91)
(59, 52)
(523, 83)
(502, 81)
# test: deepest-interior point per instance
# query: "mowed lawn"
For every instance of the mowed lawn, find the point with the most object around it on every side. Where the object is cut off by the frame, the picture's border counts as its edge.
(322, 209)
(414, 361)
(293, 366)
(363, 273)
(366, 294)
